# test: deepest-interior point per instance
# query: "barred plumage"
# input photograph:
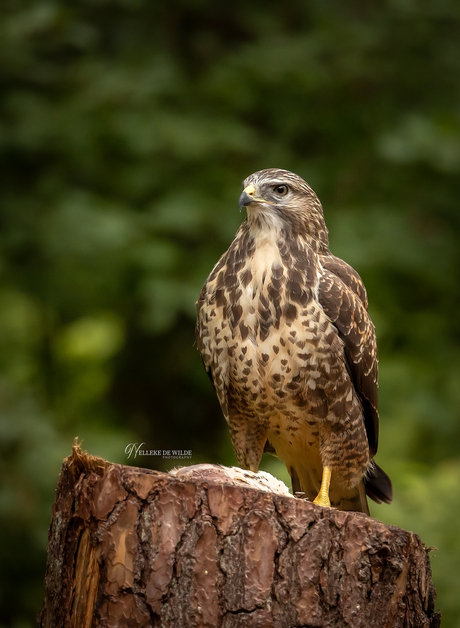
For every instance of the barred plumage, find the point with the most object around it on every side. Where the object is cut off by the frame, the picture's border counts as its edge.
(283, 330)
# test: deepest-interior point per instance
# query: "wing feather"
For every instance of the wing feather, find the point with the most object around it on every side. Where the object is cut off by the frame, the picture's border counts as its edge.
(347, 274)
(343, 297)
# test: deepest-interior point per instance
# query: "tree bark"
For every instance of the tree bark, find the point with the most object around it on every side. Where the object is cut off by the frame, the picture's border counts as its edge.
(203, 548)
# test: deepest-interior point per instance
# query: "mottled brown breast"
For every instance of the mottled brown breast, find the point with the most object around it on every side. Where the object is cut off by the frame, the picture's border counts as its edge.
(284, 333)
(272, 352)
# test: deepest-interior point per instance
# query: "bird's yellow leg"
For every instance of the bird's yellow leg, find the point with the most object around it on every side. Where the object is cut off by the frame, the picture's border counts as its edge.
(322, 499)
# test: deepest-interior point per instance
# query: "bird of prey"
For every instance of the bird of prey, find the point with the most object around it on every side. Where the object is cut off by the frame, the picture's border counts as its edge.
(284, 333)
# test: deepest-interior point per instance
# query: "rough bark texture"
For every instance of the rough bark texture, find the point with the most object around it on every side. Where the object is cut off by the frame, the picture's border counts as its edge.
(133, 547)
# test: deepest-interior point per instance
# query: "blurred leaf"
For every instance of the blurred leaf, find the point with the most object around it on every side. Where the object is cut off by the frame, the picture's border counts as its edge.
(126, 129)
(91, 338)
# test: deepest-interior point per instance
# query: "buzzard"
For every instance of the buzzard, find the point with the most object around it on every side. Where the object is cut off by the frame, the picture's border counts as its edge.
(284, 333)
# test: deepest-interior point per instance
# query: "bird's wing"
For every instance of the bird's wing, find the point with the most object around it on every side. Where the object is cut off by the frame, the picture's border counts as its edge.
(347, 274)
(199, 331)
(206, 311)
(211, 311)
(343, 298)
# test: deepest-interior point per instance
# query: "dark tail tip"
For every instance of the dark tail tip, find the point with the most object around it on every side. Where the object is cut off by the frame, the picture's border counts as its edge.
(378, 484)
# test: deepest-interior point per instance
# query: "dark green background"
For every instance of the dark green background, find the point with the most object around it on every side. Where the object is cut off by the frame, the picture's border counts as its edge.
(126, 128)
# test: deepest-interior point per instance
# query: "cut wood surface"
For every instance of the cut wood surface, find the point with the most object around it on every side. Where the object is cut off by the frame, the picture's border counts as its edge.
(216, 547)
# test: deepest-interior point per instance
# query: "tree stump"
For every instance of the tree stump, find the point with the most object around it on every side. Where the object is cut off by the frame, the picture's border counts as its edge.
(202, 548)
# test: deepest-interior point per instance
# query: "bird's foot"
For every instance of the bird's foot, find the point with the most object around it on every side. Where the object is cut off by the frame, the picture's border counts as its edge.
(322, 500)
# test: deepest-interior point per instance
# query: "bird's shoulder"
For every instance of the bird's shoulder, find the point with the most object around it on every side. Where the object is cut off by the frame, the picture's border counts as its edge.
(339, 269)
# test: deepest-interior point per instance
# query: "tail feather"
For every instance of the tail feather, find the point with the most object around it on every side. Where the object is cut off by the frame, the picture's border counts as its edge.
(351, 500)
(378, 484)
(343, 499)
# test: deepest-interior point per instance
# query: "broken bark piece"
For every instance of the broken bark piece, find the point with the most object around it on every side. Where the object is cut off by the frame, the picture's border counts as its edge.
(208, 546)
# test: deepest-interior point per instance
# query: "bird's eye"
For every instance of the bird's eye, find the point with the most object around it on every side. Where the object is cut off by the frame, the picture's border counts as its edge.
(282, 190)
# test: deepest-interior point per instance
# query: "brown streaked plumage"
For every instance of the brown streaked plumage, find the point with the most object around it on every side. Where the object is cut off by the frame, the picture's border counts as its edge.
(284, 333)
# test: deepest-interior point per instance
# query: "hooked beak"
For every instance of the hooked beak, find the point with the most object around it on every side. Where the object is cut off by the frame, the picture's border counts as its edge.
(247, 197)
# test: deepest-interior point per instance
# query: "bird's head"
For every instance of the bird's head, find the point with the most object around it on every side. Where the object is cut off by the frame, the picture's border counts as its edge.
(281, 200)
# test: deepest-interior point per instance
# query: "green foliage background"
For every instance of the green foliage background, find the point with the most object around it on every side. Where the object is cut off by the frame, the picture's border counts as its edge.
(126, 127)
